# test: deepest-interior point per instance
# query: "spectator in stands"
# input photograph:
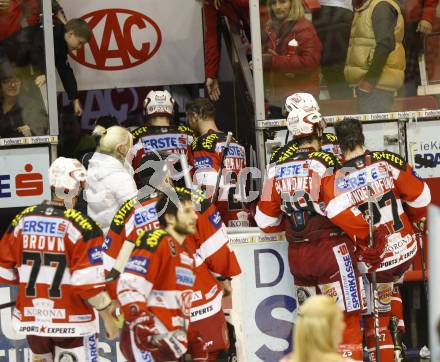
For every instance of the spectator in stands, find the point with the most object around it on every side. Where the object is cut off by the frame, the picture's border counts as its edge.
(375, 62)
(419, 18)
(11, 118)
(333, 25)
(318, 332)
(28, 48)
(237, 12)
(17, 14)
(291, 52)
(109, 177)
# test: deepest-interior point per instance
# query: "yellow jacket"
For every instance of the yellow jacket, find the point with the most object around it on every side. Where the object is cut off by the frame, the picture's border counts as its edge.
(363, 43)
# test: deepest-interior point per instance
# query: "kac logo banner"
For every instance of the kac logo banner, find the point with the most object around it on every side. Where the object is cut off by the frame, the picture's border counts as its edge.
(138, 43)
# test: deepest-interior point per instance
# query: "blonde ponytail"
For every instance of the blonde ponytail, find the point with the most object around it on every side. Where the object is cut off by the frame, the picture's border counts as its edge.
(99, 131)
(112, 138)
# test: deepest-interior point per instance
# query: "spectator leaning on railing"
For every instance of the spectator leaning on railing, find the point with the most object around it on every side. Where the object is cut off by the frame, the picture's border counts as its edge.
(375, 62)
(291, 52)
(27, 47)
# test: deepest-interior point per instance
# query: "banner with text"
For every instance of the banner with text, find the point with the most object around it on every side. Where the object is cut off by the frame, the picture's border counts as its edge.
(138, 43)
(263, 302)
(423, 142)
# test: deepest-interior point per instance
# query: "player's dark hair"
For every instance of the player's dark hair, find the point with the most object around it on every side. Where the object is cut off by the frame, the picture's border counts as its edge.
(309, 139)
(203, 107)
(166, 206)
(349, 133)
(79, 28)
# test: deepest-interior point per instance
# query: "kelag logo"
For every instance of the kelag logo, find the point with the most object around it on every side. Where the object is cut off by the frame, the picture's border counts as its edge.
(121, 39)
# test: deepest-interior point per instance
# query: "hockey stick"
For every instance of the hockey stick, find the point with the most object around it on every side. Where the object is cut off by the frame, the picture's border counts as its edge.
(374, 293)
(121, 260)
(422, 258)
(219, 174)
(8, 304)
(185, 170)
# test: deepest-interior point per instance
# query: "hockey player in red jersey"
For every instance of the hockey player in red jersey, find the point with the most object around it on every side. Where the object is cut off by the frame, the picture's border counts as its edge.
(53, 254)
(399, 200)
(308, 103)
(134, 216)
(207, 152)
(320, 256)
(155, 289)
(214, 261)
(160, 137)
(209, 247)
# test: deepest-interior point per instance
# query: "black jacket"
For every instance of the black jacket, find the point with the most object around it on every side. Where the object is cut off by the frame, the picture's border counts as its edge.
(27, 47)
(10, 121)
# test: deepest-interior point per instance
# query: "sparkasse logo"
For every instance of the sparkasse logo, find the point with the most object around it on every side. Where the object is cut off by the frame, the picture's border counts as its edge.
(121, 39)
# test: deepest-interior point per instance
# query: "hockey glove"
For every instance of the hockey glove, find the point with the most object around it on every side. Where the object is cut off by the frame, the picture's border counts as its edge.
(420, 225)
(143, 330)
(374, 255)
(148, 338)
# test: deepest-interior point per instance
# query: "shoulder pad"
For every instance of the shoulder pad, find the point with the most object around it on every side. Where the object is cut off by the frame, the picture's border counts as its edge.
(206, 143)
(286, 152)
(198, 196)
(139, 132)
(326, 158)
(21, 214)
(392, 158)
(150, 240)
(121, 215)
(329, 138)
(185, 129)
(84, 223)
(275, 153)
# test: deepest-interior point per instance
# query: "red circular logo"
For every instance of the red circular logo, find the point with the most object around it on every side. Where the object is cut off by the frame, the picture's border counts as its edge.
(121, 39)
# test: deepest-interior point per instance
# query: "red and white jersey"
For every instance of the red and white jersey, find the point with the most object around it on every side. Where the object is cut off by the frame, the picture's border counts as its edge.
(54, 255)
(213, 258)
(158, 142)
(399, 198)
(329, 143)
(290, 200)
(133, 217)
(159, 278)
(207, 153)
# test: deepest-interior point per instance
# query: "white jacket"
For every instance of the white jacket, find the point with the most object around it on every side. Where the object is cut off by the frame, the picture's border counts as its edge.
(109, 185)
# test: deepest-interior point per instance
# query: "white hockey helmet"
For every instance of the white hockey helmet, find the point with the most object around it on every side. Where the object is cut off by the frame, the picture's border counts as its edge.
(303, 101)
(67, 174)
(301, 123)
(158, 103)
